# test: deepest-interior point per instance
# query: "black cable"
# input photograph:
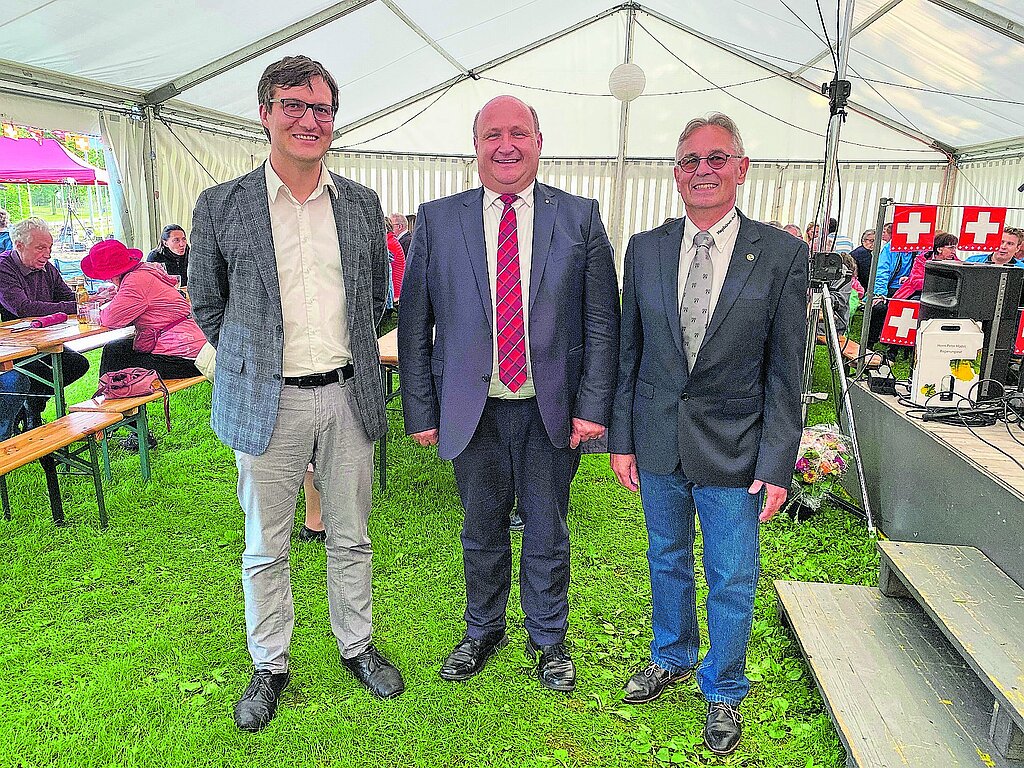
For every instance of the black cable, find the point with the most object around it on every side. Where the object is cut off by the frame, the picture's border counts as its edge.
(198, 162)
(403, 124)
(757, 109)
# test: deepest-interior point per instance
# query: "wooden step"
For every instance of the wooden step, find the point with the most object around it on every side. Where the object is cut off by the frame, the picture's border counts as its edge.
(898, 693)
(980, 611)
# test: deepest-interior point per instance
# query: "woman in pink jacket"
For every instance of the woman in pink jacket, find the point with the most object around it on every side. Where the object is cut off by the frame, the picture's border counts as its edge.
(167, 339)
(944, 249)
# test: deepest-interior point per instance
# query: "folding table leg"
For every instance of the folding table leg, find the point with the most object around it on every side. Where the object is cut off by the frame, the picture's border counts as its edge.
(105, 448)
(53, 489)
(97, 481)
(5, 498)
(142, 430)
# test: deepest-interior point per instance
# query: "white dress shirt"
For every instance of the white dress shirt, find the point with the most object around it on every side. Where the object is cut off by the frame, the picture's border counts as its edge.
(308, 260)
(723, 232)
(493, 208)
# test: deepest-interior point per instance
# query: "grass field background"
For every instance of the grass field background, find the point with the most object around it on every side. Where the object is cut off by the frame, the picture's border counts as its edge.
(127, 647)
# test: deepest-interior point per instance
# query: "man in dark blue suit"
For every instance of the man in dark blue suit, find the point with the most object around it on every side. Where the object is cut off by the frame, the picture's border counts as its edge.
(508, 345)
(707, 413)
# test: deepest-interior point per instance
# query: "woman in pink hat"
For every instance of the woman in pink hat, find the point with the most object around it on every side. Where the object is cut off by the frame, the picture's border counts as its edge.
(167, 339)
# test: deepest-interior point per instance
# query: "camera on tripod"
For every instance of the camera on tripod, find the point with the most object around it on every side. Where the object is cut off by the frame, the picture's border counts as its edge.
(827, 267)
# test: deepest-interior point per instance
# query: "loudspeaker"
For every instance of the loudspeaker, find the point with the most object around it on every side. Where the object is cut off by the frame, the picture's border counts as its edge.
(987, 293)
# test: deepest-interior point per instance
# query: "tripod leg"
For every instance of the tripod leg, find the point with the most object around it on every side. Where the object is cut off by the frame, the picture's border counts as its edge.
(844, 402)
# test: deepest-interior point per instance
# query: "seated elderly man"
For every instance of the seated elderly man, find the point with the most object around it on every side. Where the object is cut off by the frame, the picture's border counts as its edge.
(30, 286)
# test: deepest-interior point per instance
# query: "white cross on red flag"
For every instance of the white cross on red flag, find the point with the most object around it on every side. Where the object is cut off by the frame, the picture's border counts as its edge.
(982, 228)
(913, 227)
(900, 323)
(1018, 345)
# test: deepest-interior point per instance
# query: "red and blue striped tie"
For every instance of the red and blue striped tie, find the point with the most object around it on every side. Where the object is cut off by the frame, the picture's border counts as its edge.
(509, 295)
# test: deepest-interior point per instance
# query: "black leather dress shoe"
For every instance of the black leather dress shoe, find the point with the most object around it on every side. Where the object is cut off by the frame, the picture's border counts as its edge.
(379, 675)
(723, 729)
(554, 668)
(650, 682)
(256, 708)
(470, 655)
(308, 534)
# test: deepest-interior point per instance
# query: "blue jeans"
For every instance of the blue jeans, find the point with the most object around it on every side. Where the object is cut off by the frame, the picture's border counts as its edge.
(728, 520)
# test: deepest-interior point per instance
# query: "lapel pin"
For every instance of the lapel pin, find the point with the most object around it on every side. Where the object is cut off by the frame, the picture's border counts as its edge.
(546, 200)
(750, 257)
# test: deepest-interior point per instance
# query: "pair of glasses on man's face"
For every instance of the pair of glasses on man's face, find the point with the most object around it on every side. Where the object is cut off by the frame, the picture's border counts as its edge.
(716, 161)
(322, 113)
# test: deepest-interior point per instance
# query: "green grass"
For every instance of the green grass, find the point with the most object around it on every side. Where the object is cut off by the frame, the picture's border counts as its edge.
(127, 648)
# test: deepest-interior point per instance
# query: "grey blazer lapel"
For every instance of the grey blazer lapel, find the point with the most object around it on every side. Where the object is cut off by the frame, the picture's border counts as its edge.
(353, 235)
(669, 245)
(545, 208)
(744, 257)
(255, 221)
(472, 216)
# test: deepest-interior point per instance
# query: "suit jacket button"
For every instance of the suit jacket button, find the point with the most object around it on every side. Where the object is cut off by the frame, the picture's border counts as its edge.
(684, 396)
(485, 377)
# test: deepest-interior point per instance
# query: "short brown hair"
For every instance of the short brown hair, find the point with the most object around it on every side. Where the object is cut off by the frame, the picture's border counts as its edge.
(1018, 233)
(942, 239)
(290, 72)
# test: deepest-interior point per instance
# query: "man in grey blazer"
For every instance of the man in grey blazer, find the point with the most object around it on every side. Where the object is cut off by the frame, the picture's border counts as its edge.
(288, 277)
(707, 413)
(508, 344)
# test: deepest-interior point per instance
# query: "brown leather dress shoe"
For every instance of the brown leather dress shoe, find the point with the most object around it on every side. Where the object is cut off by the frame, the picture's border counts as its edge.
(650, 682)
(554, 667)
(723, 728)
(470, 655)
(256, 708)
(379, 675)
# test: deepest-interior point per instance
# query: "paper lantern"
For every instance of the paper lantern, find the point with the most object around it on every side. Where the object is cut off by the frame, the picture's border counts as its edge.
(626, 82)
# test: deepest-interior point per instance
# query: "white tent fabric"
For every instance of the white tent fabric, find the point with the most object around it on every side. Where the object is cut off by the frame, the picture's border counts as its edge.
(936, 84)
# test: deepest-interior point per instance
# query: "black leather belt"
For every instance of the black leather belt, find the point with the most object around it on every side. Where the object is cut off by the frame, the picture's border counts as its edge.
(320, 379)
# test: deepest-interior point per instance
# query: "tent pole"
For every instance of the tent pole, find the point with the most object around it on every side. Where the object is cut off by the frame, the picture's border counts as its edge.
(619, 199)
(149, 171)
(834, 126)
(947, 191)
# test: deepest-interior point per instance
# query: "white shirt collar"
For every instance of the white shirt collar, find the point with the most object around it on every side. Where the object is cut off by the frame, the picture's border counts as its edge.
(526, 195)
(722, 231)
(275, 185)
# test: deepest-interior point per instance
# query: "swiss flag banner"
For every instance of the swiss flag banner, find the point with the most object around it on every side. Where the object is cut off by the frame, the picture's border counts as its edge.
(1018, 345)
(900, 322)
(913, 227)
(982, 228)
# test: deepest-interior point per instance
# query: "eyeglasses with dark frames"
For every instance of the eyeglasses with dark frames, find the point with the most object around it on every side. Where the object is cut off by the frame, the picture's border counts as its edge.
(716, 161)
(322, 113)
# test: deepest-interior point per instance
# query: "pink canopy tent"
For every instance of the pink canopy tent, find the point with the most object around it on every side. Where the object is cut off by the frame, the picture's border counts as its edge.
(46, 162)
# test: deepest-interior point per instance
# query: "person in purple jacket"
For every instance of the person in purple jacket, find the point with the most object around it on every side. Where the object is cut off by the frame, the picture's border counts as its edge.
(31, 286)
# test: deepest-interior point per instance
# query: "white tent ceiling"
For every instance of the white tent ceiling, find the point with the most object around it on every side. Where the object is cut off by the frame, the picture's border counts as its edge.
(927, 74)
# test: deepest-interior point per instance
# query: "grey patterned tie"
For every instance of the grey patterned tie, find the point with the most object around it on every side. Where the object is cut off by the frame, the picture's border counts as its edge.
(694, 310)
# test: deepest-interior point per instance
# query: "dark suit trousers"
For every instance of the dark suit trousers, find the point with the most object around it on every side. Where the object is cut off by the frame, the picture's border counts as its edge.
(511, 458)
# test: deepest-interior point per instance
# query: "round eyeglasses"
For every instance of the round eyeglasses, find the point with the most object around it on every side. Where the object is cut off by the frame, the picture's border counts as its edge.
(716, 161)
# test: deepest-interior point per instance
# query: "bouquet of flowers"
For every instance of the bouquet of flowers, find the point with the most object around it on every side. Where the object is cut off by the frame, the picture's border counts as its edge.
(822, 460)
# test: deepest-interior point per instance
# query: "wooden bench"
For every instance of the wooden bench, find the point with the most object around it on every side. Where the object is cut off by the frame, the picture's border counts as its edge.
(55, 440)
(131, 413)
(851, 352)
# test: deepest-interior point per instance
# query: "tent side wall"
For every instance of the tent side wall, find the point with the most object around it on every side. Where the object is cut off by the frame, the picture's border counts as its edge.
(992, 182)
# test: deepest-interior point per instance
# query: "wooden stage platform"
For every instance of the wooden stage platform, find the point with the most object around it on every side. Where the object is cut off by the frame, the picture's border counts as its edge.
(928, 669)
(941, 484)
